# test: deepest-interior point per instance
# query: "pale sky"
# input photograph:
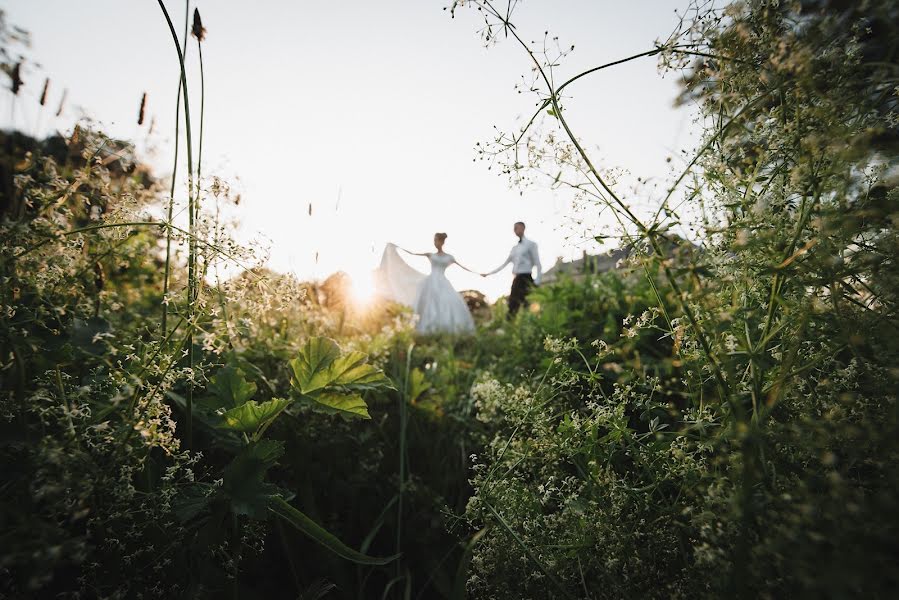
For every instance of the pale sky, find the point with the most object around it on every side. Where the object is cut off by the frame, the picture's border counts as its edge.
(379, 102)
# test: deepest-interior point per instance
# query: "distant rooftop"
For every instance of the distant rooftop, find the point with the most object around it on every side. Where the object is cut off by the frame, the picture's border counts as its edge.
(587, 264)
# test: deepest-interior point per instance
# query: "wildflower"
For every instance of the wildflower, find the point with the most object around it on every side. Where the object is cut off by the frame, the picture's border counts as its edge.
(551, 344)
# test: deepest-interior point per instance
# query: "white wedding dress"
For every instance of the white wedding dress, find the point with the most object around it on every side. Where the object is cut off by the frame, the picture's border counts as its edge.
(440, 308)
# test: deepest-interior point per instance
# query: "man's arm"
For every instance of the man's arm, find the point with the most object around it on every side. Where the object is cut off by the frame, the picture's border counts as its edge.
(501, 267)
(535, 257)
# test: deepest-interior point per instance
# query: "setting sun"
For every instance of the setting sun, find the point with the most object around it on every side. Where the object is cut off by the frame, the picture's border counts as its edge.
(362, 289)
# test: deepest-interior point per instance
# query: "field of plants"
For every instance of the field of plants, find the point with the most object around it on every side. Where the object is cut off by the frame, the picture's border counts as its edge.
(715, 418)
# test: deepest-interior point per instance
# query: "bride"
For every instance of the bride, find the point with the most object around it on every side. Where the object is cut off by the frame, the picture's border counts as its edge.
(440, 308)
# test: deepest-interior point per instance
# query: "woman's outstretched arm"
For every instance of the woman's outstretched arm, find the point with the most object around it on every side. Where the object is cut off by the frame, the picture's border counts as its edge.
(414, 253)
(460, 265)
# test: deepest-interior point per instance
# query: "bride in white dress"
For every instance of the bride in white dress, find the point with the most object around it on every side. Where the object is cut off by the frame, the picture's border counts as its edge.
(440, 308)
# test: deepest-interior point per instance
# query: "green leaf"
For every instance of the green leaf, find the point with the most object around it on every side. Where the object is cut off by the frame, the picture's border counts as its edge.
(352, 371)
(349, 405)
(243, 481)
(231, 388)
(250, 416)
(417, 385)
(310, 367)
(320, 364)
(193, 500)
(280, 507)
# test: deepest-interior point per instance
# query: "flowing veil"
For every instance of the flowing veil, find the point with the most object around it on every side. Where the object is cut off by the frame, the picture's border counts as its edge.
(394, 279)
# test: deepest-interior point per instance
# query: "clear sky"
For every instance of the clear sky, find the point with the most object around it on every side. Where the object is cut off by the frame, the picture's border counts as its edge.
(377, 104)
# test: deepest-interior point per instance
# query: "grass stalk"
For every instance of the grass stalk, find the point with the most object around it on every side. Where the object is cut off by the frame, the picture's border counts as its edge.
(168, 236)
(192, 244)
(403, 466)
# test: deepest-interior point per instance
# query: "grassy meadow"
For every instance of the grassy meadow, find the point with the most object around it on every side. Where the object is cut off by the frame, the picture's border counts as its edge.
(714, 418)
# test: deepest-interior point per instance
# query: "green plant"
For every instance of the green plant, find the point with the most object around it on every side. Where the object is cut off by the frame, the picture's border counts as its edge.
(783, 408)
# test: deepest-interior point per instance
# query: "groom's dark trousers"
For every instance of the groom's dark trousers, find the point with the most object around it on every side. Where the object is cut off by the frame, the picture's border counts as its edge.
(521, 286)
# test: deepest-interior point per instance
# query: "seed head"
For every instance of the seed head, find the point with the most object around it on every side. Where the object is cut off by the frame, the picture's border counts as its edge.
(16, 76)
(62, 102)
(44, 92)
(198, 31)
(143, 106)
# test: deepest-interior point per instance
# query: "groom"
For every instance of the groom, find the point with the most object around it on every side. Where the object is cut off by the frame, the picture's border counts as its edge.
(524, 258)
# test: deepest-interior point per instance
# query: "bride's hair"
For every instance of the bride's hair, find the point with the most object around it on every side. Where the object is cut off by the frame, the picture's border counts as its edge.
(440, 236)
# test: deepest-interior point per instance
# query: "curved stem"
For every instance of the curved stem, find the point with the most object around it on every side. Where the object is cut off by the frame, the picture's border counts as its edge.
(168, 237)
(650, 232)
(192, 244)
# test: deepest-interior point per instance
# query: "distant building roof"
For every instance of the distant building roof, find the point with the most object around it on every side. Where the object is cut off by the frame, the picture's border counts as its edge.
(587, 264)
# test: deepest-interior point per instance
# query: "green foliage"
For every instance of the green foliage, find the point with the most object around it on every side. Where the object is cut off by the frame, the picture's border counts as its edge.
(320, 366)
(303, 523)
(252, 416)
(748, 447)
(231, 388)
(713, 419)
(244, 479)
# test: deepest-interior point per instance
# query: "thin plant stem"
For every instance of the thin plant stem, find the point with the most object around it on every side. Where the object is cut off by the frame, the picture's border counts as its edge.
(650, 232)
(168, 236)
(527, 551)
(202, 113)
(403, 466)
(192, 244)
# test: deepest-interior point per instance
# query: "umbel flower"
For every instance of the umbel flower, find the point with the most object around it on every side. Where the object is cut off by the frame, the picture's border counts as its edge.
(198, 31)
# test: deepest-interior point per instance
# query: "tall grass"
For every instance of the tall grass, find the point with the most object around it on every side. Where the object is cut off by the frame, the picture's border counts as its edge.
(193, 197)
(171, 202)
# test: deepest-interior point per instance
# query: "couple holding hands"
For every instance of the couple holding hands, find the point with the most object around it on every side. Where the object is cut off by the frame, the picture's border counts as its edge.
(440, 308)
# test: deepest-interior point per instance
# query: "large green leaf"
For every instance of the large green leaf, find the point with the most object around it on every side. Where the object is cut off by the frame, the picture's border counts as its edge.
(349, 405)
(231, 388)
(250, 416)
(243, 481)
(280, 507)
(320, 364)
(310, 367)
(353, 371)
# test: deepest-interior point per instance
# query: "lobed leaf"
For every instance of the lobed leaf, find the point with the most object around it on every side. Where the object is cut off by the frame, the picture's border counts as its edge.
(243, 481)
(349, 405)
(231, 388)
(320, 365)
(250, 416)
(310, 367)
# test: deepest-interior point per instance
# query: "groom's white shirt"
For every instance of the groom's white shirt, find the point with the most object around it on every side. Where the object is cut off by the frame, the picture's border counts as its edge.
(524, 258)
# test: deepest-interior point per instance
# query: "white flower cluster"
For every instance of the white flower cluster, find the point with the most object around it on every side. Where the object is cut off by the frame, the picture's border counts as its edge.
(559, 345)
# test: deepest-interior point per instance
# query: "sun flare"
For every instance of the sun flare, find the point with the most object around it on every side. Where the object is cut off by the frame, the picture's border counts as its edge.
(362, 289)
